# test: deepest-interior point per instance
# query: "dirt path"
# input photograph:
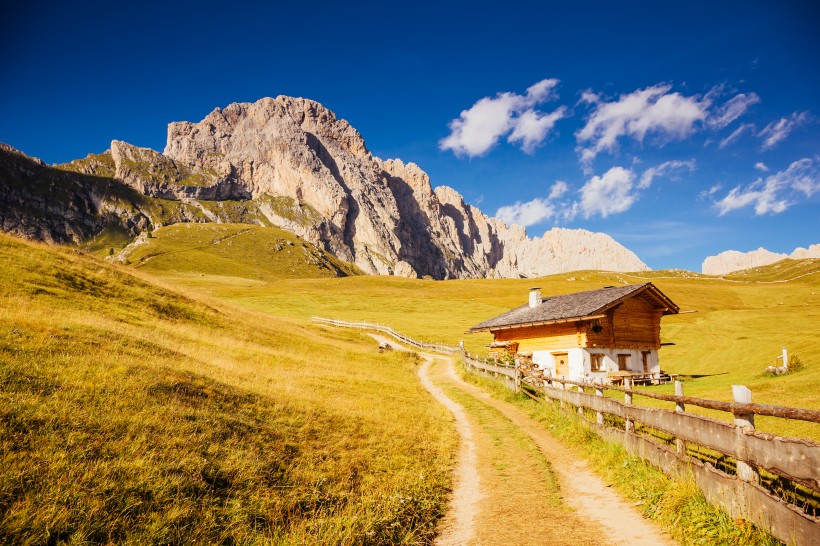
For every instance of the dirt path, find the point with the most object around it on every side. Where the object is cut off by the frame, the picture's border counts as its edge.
(580, 487)
(516, 484)
(458, 527)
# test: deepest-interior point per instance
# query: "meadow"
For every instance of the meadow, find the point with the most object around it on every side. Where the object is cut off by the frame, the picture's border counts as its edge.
(131, 413)
(740, 325)
(187, 397)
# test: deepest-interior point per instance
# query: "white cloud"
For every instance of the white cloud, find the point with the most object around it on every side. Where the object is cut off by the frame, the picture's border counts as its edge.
(526, 214)
(777, 131)
(539, 209)
(531, 128)
(736, 134)
(479, 128)
(777, 192)
(653, 110)
(760, 166)
(710, 192)
(732, 109)
(608, 194)
(558, 189)
(662, 169)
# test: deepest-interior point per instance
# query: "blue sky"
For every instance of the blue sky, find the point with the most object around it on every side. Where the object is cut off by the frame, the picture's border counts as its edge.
(681, 131)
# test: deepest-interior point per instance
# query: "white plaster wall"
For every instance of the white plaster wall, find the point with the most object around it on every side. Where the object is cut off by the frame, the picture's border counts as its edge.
(575, 361)
(576, 364)
(580, 363)
(544, 360)
(611, 360)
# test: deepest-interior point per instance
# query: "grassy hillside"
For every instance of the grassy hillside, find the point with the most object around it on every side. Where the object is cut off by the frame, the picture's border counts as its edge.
(237, 250)
(132, 413)
(783, 270)
(738, 330)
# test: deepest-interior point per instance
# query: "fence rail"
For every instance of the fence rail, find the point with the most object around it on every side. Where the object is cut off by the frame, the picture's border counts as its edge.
(794, 461)
(743, 494)
(407, 340)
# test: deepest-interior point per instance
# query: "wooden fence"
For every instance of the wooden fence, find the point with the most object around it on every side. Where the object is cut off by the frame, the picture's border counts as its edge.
(772, 481)
(407, 340)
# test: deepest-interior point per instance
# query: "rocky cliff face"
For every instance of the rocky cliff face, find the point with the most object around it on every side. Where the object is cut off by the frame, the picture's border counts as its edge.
(292, 163)
(732, 260)
(384, 216)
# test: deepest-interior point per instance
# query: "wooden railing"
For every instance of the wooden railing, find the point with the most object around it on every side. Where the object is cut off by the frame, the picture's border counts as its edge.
(755, 467)
(407, 340)
(772, 481)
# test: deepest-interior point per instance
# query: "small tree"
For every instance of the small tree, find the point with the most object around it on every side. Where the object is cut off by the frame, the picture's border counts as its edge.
(795, 364)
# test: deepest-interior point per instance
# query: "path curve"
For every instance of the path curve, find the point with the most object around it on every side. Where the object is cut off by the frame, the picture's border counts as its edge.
(617, 521)
(582, 489)
(458, 527)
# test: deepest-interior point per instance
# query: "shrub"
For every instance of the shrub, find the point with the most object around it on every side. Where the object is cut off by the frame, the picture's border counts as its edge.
(795, 364)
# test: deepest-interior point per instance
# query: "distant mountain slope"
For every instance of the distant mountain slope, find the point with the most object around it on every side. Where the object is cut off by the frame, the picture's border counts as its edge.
(784, 270)
(290, 162)
(732, 260)
(237, 250)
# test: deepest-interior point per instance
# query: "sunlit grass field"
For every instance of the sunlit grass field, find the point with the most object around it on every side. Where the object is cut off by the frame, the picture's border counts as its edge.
(187, 398)
(131, 413)
(739, 328)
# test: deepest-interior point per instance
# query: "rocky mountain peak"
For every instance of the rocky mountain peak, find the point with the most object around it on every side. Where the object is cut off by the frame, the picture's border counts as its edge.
(732, 260)
(295, 164)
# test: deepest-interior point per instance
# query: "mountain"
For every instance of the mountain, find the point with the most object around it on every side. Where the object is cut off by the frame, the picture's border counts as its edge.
(290, 162)
(732, 260)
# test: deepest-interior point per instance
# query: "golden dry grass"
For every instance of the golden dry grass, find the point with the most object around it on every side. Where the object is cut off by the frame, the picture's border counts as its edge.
(130, 413)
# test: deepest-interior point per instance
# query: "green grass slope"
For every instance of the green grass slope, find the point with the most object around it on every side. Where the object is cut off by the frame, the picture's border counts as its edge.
(738, 330)
(784, 270)
(131, 413)
(235, 250)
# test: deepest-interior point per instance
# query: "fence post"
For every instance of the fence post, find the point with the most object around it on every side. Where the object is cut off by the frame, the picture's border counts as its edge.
(742, 394)
(599, 417)
(630, 424)
(517, 376)
(580, 409)
(563, 388)
(680, 445)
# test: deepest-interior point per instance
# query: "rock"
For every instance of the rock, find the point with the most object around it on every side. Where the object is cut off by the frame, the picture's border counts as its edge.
(154, 174)
(404, 269)
(296, 165)
(732, 260)
(374, 213)
(806, 253)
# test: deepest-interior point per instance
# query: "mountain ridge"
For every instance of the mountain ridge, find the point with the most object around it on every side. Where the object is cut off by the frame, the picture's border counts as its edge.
(292, 163)
(730, 261)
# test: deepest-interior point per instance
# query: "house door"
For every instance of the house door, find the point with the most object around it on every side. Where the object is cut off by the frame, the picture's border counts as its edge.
(561, 364)
(645, 356)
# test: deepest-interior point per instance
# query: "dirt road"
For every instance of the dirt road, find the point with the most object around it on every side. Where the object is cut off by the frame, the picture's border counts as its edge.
(516, 484)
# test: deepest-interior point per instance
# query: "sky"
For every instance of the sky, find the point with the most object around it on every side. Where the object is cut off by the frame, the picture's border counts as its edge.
(681, 130)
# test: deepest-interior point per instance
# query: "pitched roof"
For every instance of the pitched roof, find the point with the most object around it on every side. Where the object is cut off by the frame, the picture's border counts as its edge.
(574, 307)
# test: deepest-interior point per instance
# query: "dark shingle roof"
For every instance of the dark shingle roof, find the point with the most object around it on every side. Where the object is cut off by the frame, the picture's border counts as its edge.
(571, 306)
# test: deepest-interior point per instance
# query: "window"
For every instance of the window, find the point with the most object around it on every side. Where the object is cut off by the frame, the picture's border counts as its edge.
(596, 363)
(623, 362)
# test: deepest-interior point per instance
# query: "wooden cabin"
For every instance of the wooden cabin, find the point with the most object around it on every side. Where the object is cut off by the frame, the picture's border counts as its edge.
(604, 334)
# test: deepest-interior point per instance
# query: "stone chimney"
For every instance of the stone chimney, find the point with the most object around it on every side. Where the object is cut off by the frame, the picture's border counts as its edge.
(535, 297)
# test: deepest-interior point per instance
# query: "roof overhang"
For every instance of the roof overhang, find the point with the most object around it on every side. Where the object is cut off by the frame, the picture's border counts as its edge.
(537, 323)
(663, 302)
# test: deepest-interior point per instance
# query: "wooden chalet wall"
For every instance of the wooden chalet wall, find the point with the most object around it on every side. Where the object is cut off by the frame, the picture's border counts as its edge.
(634, 324)
(548, 337)
(637, 324)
